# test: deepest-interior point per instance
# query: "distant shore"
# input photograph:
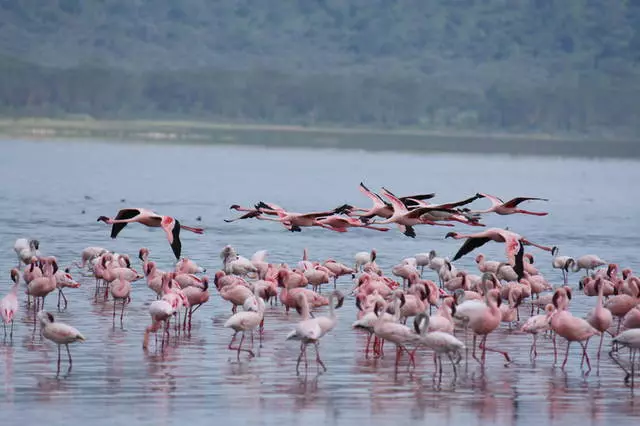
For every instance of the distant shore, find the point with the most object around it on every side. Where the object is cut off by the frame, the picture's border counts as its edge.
(196, 132)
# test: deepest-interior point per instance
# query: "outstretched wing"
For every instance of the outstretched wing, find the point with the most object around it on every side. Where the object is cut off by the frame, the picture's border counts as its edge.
(515, 201)
(123, 214)
(460, 203)
(377, 200)
(251, 214)
(470, 245)
(416, 213)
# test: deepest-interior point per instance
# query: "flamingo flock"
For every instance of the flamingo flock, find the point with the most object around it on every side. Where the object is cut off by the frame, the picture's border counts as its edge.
(453, 314)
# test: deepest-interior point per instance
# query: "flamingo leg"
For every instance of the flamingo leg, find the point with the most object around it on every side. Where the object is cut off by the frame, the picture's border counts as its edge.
(366, 351)
(318, 360)
(122, 313)
(58, 370)
(585, 355)
(485, 348)
(473, 353)
(299, 358)
(566, 357)
(69, 354)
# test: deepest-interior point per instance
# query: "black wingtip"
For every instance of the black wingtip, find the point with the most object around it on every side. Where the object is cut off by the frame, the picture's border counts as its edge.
(176, 246)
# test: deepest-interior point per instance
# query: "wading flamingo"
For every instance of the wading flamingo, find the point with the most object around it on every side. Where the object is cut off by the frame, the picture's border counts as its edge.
(59, 333)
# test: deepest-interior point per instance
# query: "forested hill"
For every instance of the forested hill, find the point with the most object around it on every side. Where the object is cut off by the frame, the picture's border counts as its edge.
(553, 66)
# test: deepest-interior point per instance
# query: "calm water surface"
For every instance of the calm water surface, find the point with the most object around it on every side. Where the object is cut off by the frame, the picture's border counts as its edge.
(113, 381)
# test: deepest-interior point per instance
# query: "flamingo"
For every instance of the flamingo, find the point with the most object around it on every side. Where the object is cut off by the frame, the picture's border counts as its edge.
(482, 317)
(382, 208)
(631, 339)
(564, 263)
(120, 290)
(397, 333)
(486, 265)
(537, 324)
(368, 319)
(510, 207)
(341, 224)
(41, 287)
(9, 303)
(161, 312)
(364, 257)
(188, 266)
(246, 321)
(600, 318)
(197, 297)
(338, 270)
(235, 264)
(572, 328)
(587, 262)
(439, 342)
(513, 245)
(311, 330)
(26, 249)
(295, 221)
(170, 225)
(64, 280)
(59, 333)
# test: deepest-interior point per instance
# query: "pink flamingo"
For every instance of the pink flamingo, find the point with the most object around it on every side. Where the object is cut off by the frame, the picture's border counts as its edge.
(59, 333)
(41, 287)
(588, 262)
(220, 280)
(245, 321)
(512, 242)
(394, 332)
(338, 270)
(188, 266)
(316, 277)
(632, 318)
(311, 330)
(486, 265)
(405, 272)
(9, 303)
(236, 294)
(630, 339)
(170, 225)
(537, 324)
(510, 207)
(600, 318)
(439, 342)
(154, 277)
(482, 317)
(161, 312)
(294, 221)
(621, 304)
(120, 290)
(341, 224)
(197, 297)
(573, 329)
(64, 280)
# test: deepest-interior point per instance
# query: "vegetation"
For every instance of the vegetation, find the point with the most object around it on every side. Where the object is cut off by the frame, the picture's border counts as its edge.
(543, 66)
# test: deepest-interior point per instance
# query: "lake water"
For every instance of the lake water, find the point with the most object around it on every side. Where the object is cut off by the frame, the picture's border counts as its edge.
(593, 209)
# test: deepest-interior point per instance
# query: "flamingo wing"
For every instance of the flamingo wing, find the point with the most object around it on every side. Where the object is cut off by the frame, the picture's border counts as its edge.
(469, 246)
(249, 215)
(123, 214)
(518, 267)
(495, 201)
(515, 201)
(377, 200)
(459, 203)
(416, 213)
(396, 203)
(420, 197)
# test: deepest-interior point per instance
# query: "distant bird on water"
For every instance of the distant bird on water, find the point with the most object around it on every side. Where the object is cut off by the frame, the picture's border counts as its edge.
(151, 219)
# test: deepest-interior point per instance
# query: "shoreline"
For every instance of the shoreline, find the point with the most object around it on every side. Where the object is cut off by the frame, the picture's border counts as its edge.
(268, 135)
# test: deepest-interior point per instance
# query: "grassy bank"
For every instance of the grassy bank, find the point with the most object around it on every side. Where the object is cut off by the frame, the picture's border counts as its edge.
(310, 137)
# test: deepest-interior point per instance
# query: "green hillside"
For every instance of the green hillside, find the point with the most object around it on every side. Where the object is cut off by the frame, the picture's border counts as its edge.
(563, 66)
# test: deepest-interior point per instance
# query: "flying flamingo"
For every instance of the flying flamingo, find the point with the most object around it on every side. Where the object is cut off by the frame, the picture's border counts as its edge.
(311, 330)
(245, 321)
(382, 208)
(513, 245)
(294, 221)
(9, 303)
(59, 333)
(170, 225)
(340, 223)
(510, 207)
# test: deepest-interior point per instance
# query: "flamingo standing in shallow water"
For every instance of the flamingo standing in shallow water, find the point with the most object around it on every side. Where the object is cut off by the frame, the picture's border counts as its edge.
(600, 318)
(245, 321)
(59, 333)
(9, 303)
(149, 218)
(311, 330)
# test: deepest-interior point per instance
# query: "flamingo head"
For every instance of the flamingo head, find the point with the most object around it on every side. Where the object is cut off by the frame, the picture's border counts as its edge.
(626, 273)
(554, 250)
(143, 254)
(15, 275)
(216, 278)
(103, 219)
(451, 235)
(34, 244)
(479, 258)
